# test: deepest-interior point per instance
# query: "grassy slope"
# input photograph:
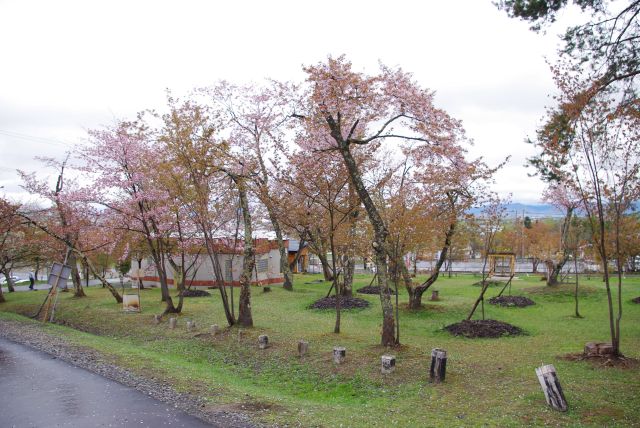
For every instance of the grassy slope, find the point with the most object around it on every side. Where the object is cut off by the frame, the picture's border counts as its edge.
(489, 381)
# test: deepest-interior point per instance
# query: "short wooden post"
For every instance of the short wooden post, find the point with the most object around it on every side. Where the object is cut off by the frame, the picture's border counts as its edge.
(339, 354)
(438, 368)
(214, 330)
(191, 325)
(156, 319)
(173, 322)
(551, 387)
(303, 348)
(263, 341)
(434, 295)
(388, 364)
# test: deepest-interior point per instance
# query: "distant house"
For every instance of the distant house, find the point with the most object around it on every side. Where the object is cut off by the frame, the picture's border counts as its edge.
(301, 254)
(265, 273)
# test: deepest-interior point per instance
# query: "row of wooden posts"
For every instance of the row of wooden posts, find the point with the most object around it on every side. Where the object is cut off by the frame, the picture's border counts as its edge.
(546, 374)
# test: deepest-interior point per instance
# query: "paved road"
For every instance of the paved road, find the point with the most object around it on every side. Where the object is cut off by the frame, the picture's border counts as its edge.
(38, 390)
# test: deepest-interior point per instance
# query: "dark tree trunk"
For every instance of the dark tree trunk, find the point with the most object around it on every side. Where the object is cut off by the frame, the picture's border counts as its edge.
(348, 269)
(284, 260)
(415, 293)
(37, 269)
(245, 318)
(140, 282)
(326, 269)
(2, 299)
(75, 275)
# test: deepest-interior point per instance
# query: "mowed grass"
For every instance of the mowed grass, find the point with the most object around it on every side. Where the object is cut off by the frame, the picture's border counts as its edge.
(489, 381)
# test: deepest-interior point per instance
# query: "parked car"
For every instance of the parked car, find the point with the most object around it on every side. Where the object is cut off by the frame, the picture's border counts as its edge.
(15, 279)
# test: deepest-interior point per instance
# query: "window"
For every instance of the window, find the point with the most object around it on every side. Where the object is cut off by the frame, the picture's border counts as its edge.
(262, 265)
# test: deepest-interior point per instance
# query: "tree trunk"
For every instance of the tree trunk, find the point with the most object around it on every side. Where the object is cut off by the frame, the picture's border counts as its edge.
(415, 293)
(379, 244)
(104, 282)
(245, 318)
(326, 269)
(10, 284)
(140, 283)
(298, 255)
(348, 269)
(284, 260)
(2, 299)
(75, 276)
(37, 269)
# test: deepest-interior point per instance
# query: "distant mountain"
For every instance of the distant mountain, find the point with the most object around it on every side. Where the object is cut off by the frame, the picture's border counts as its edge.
(530, 210)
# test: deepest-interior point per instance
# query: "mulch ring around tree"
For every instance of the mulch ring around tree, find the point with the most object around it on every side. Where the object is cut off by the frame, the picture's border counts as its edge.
(519, 301)
(602, 361)
(636, 300)
(374, 289)
(345, 303)
(195, 293)
(483, 328)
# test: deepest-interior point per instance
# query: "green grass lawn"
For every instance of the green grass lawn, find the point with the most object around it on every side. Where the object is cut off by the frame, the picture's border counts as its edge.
(489, 381)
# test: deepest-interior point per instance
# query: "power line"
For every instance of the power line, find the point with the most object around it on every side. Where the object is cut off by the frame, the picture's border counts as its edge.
(33, 138)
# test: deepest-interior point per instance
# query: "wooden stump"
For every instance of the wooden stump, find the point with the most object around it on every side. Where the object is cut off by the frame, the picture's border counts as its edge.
(339, 354)
(156, 319)
(263, 341)
(191, 325)
(388, 364)
(438, 368)
(214, 330)
(551, 387)
(593, 349)
(434, 296)
(173, 322)
(303, 348)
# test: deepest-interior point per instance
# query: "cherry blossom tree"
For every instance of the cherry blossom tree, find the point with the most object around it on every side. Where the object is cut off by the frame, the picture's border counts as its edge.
(593, 147)
(344, 110)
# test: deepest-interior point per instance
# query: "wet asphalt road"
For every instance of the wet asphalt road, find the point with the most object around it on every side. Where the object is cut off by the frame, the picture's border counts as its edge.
(37, 390)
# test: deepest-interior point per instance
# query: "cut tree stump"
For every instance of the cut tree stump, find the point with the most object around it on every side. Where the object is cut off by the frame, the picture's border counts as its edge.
(214, 330)
(263, 341)
(339, 354)
(191, 325)
(551, 387)
(438, 368)
(173, 322)
(156, 319)
(434, 296)
(303, 348)
(388, 364)
(593, 349)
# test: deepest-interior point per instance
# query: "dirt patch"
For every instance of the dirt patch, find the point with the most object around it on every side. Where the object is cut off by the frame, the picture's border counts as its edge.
(345, 303)
(519, 301)
(636, 300)
(195, 293)
(483, 328)
(603, 361)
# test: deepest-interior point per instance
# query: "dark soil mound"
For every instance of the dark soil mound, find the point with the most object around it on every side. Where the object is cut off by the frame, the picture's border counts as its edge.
(345, 303)
(636, 300)
(483, 328)
(519, 301)
(369, 289)
(195, 293)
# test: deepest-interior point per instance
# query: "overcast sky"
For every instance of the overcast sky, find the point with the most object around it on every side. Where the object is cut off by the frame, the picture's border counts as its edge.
(69, 66)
